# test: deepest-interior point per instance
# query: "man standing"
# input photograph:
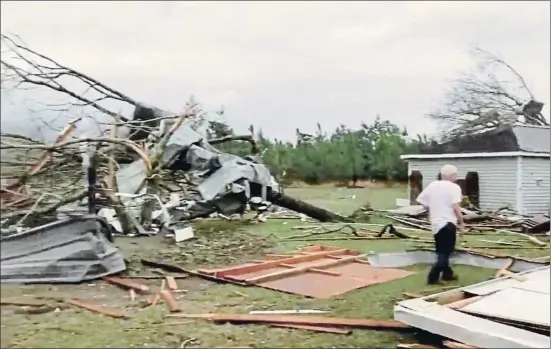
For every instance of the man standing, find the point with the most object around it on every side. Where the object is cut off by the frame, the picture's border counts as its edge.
(442, 198)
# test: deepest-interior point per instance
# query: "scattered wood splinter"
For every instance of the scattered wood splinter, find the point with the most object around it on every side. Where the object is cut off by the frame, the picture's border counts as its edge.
(173, 306)
(131, 284)
(112, 312)
(171, 283)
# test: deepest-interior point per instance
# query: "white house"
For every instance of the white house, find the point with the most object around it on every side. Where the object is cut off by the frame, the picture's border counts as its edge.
(505, 167)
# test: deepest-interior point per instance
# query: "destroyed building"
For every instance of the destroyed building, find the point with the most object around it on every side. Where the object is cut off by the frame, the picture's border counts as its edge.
(504, 167)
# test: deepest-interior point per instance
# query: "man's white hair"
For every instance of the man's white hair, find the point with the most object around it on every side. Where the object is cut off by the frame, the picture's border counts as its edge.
(447, 171)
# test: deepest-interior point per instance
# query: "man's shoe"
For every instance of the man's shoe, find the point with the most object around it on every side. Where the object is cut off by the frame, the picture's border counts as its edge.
(450, 278)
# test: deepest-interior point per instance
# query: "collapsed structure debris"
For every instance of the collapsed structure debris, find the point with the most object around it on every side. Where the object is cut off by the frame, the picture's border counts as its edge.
(501, 313)
(147, 173)
(69, 250)
(153, 173)
(502, 221)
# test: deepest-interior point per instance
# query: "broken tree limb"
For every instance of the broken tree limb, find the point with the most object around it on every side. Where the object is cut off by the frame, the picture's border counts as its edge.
(48, 209)
(111, 188)
(248, 138)
(406, 222)
(40, 70)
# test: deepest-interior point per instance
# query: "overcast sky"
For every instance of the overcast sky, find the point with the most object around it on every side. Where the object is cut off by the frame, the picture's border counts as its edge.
(282, 65)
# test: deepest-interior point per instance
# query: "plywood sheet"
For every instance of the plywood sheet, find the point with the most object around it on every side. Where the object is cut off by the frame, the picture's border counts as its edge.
(353, 276)
(321, 272)
(316, 285)
(514, 304)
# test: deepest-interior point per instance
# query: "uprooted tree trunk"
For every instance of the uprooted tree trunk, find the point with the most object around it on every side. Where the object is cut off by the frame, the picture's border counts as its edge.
(299, 206)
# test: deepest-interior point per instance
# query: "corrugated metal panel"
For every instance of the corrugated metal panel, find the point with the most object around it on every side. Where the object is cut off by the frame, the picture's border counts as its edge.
(535, 185)
(71, 250)
(497, 177)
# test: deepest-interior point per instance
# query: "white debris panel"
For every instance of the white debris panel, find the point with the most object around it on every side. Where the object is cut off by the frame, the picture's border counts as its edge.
(508, 312)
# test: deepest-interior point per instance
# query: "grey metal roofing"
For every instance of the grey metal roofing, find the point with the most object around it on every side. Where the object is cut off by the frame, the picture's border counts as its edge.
(533, 139)
(510, 138)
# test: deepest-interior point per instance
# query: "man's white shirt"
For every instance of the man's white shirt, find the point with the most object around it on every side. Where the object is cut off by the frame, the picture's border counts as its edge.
(439, 197)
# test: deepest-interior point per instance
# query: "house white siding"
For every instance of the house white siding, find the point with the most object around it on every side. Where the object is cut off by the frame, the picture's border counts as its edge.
(535, 185)
(497, 177)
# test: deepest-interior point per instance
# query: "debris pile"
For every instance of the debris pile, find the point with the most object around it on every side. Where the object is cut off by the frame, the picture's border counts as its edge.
(151, 172)
(505, 312)
(477, 222)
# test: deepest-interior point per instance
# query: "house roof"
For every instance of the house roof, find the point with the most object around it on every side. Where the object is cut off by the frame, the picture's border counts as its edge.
(510, 140)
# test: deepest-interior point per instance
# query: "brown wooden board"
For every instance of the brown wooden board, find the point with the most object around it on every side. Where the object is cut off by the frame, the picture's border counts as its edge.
(316, 271)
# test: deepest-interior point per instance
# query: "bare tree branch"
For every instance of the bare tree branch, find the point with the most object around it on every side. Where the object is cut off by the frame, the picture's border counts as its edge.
(487, 98)
(36, 69)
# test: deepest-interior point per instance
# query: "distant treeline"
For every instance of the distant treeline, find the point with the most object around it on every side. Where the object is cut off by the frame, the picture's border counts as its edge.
(370, 152)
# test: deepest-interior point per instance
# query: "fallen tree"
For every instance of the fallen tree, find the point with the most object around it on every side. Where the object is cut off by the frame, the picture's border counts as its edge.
(136, 160)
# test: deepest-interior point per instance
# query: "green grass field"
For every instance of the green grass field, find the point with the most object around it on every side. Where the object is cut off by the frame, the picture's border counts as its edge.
(219, 244)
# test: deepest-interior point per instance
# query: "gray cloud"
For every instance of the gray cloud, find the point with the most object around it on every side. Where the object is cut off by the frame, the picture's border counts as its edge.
(282, 65)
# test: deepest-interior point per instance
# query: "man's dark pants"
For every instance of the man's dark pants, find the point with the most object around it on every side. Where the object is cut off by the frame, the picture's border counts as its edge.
(444, 242)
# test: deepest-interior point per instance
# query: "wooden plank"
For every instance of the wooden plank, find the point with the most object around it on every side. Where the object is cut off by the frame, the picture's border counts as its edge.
(240, 270)
(415, 346)
(23, 302)
(452, 344)
(300, 270)
(450, 297)
(412, 295)
(463, 302)
(276, 257)
(126, 283)
(173, 306)
(171, 283)
(298, 320)
(324, 272)
(314, 328)
(507, 265)
(510, 274)
(116, 313)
